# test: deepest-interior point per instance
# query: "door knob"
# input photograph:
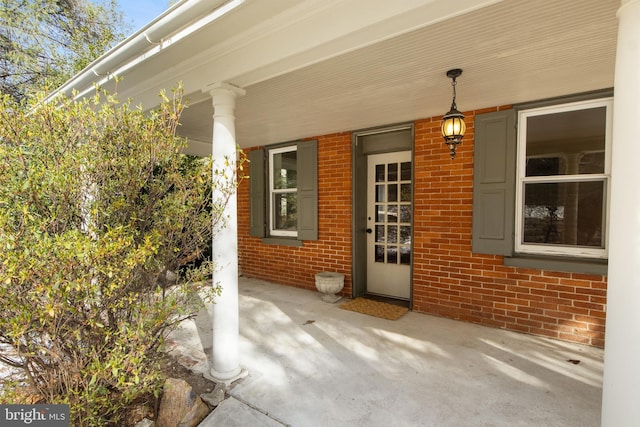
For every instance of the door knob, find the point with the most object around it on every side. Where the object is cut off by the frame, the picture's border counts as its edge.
(369, 230)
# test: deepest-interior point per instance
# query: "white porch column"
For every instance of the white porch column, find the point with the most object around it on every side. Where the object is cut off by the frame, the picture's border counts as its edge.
(225, 362)
(621, 390)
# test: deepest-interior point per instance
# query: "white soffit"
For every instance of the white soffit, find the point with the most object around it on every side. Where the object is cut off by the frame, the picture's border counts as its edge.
(513, 51)
(261, 39)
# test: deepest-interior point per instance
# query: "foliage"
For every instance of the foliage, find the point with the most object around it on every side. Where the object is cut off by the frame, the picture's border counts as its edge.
(45, 42)
(97, 207)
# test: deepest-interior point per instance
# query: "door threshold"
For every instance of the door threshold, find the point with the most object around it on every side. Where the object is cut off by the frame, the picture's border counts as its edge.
(388, 300)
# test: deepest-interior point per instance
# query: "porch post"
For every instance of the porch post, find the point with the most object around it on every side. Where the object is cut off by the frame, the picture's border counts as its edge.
(621, 388)
(225, 358)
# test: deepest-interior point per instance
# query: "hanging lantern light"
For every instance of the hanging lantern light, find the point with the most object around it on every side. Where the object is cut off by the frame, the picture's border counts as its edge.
(453, 125)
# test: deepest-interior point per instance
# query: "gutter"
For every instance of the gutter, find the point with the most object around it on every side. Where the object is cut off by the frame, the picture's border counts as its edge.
(179, 21)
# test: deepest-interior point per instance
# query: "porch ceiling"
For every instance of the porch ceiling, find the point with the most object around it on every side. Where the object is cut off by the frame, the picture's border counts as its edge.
(511, 51)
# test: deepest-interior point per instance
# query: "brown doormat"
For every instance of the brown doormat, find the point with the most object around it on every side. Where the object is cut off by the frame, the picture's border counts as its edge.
(375, 308)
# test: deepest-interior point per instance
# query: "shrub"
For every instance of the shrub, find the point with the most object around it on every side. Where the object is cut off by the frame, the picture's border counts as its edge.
(98, 207)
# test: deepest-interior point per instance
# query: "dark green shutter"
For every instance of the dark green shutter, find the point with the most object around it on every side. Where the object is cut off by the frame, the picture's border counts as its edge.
(307, 190)
(256, 193)
(494, 180)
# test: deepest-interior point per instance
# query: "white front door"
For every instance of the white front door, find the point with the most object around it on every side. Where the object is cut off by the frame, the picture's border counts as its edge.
(389, 224)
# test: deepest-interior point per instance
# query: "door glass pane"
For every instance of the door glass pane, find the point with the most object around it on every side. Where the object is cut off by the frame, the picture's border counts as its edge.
(380, 193)
(392, 255)
(405, 213)
(379, 173)
(564, 213)
(405, 192)
(393, 172)
(566, 143)
(380, 234)
(285, 170)
(405, 171)
(392, 193)
(379, 257)
(392, 213)
(405, 255)
(380, 213)
(405, 234)
(392, 234)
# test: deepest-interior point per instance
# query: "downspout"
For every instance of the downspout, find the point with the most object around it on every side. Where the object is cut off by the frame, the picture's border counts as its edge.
(176, 23)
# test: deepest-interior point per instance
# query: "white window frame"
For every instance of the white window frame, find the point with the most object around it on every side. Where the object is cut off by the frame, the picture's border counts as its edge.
(273, 192)
(573, 251)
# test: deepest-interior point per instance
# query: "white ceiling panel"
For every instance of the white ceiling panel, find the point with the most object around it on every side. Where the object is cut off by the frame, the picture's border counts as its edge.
(510, 52)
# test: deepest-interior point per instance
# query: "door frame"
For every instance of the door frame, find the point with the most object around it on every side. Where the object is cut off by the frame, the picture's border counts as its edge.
(387, 139)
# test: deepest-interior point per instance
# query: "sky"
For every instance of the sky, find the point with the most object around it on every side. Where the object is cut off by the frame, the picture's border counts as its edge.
(138, 13)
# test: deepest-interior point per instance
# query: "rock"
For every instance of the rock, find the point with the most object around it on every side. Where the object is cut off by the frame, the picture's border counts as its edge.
(171, 276)
(198, 412)
(180, 407)
(216, 396)
(146, 422)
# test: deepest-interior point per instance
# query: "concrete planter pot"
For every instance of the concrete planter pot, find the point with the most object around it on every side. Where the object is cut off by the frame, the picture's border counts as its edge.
(329, 284)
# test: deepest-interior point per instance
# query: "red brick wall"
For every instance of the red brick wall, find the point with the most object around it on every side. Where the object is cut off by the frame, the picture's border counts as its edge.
(451, 281)
(297, 266)
(448, 280)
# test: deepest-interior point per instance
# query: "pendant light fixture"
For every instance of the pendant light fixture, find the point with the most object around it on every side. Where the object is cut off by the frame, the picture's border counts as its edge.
(453, 125)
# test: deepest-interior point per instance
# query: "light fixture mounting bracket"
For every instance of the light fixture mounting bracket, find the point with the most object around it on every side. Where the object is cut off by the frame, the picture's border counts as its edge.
(454, 73)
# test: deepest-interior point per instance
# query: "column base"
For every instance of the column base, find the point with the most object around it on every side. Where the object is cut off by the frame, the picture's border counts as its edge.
(226, 378)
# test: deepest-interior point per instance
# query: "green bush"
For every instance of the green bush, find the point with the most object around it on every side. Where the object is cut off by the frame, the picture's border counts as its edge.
(98, 207)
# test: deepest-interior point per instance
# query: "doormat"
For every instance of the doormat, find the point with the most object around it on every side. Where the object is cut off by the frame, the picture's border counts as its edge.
(375, 308)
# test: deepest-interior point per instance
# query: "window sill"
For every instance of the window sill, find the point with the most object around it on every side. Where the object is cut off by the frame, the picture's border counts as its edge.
(568, 265)
(282, 241)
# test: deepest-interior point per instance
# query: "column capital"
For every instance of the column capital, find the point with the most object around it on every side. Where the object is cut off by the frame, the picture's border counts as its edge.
(223, 98)
(224, 88)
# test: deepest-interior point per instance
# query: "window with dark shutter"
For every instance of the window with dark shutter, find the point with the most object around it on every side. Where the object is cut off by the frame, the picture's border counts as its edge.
(562, 183)
(284, 192)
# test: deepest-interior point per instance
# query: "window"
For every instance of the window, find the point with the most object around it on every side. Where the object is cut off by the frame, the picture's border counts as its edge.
(563, 179)
(541, 187)
(284, 193)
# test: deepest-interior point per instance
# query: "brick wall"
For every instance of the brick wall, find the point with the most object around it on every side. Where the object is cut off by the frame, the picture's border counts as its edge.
(297, 266)
(448, 280)
(451, 281)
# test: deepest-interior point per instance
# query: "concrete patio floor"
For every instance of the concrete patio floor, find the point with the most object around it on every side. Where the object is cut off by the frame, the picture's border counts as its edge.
(313, 364)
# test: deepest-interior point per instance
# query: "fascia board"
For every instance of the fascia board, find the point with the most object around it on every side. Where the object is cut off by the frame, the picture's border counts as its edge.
(174, 19)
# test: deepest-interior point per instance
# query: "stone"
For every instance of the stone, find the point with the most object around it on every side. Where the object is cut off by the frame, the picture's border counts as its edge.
(196, 414)
(171, 276)
(216, 396)
(179, 406)
(145, 422)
